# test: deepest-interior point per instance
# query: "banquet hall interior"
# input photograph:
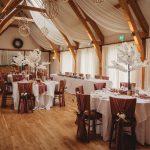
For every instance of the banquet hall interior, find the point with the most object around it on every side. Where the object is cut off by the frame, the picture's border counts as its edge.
(74, 74)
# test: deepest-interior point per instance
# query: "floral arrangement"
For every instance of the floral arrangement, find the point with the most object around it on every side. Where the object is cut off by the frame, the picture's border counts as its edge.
(19, 60)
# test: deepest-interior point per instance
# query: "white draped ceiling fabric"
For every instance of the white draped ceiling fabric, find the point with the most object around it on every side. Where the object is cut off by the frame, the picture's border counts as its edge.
(53, 34)
(68, 24)
(41, 40)
(105, 15)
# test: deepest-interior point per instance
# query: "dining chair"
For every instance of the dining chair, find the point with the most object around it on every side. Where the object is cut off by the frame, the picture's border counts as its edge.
(59, 94)
(123, 115)
(79, 89)
(87, 76)
(81, 74)
(85, 115)
(105, 78)
(99, 86)
(6, 93)
(26, 98)
(97, 76)
(125, 84)
(17, 78)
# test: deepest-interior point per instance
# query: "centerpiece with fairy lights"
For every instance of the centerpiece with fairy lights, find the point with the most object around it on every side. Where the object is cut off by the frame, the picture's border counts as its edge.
(128, 59)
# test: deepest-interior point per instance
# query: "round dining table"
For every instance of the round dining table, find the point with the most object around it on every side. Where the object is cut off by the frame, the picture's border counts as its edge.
(42, 100)
(100, 102)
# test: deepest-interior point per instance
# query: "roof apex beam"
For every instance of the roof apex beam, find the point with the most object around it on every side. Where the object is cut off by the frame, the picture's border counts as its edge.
(139, 15)
(133, 27)
(31, 8)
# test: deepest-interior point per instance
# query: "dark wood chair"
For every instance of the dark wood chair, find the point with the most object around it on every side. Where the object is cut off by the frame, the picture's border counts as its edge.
(79, 89)
(6, 92)
(97, 76)
(17, 78)
(26, 98)
(86, 115)
(125, 84)
(81, 74)
(99, 86)
(60, 93)
(105, 78)
(127, 108)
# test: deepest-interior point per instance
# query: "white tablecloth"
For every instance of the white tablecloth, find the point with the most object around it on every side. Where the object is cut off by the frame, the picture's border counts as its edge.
(72, 83)
(100, 102)
(42, 101)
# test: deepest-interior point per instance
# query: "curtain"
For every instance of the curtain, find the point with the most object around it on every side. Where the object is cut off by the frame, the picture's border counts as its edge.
(66, 62)
(87, 61)
(116, 76)
(147, 72)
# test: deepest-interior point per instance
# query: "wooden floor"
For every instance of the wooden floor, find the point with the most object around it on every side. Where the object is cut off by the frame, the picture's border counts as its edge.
(45, 130)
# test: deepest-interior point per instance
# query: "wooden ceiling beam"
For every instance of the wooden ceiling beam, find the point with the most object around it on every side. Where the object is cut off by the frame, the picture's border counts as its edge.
(7, 20)
(31, 8)
(139, 15)
(95, 27)
(89, 32)
(10, 8)
(71, 49)
(133, 27)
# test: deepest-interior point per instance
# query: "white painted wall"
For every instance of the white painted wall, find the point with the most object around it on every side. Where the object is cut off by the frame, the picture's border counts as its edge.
(54, 67)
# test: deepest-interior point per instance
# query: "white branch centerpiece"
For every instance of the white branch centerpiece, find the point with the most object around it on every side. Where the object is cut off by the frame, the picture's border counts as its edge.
(33, 60)
(128, 59)
(19, 60)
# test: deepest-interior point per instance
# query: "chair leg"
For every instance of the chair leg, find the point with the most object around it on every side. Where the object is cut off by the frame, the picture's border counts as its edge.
(94, 126)
(3, 104)
(88, 136)
(111, 134)
(19, 105)
(63, 100)
(60, 97)
(133, 137)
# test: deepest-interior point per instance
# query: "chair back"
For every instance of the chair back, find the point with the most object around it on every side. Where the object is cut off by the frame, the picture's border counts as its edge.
(88, 76)
(62, 84)
(97, 77)
(81, 74)
(99, 86)
(17, 78)
(79, 89)
(83, 102)
(105, 78)
(120, 105)
(125, 84)
(25, 87)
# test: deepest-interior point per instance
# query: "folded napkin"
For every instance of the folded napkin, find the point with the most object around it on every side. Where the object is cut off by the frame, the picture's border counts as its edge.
(42, 88)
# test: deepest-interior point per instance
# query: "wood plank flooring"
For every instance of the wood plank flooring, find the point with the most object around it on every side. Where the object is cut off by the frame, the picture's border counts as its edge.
(45, 130)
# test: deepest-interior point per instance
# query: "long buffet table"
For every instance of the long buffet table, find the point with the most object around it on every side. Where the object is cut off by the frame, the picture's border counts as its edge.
(88, 84)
